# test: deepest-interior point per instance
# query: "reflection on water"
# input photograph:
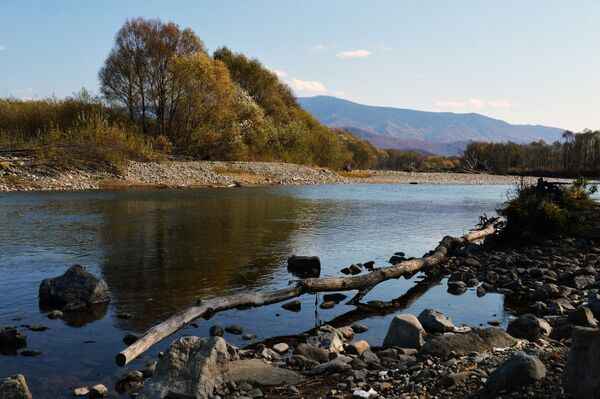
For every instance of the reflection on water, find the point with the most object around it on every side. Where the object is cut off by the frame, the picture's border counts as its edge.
(162, 250)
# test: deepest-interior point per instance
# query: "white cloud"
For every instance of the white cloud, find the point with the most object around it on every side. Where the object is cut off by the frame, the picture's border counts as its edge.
(476, 103)
(319, 47)
(450, 105)
(354, 54)
(338, 93)
(22, 91)
(2, 48)
(311, 86)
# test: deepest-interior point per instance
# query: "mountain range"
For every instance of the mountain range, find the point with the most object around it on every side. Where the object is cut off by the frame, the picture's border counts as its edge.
(442, 133)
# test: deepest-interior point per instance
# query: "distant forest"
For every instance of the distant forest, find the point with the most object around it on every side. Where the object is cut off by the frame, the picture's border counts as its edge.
(163, 94)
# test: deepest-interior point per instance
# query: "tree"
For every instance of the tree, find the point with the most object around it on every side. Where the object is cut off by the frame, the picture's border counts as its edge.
(137, 74)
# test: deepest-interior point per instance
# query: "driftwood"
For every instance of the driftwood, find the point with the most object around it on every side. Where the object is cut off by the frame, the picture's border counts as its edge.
(363, 283)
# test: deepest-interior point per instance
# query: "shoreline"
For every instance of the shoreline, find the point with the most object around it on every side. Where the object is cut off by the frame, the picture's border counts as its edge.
(25, 174)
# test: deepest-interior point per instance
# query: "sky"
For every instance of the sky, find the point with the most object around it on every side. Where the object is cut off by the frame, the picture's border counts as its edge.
(522, 61)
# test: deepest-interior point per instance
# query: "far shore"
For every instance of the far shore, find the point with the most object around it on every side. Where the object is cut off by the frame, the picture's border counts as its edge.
(24, 174)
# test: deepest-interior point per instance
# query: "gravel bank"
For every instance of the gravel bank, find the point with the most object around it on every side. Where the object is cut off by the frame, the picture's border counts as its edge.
(22, 173)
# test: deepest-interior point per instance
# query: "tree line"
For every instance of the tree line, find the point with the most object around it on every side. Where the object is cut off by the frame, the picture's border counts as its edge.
(575, 154)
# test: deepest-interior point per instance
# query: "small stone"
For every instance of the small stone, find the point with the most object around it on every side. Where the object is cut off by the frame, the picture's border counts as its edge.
(255, 393)
(30, 353)
(98, 391)
(583, 317)
(347, 332)
(435, 321)
(281, 347)
(457, 287)
(494, 322)
(359, 328)
(327, 305)
(529, 327)
(248, 337)
(236, 329)
(216, 331)
(357, 348)
(36, 327)
(124, 315)
(337, 297)
(83, 391)
(293, 306)
(405, 331)
(55, 314)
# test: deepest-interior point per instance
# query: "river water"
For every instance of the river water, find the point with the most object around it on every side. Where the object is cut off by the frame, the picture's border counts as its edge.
(162, 250)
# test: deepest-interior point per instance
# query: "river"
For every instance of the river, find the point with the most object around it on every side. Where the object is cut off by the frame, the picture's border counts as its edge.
(161, 250)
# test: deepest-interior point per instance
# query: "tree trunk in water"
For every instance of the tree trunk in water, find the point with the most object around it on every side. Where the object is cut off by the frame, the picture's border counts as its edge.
(362, 283)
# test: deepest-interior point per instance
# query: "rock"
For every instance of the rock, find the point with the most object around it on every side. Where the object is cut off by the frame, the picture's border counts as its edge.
(294, 305)
(581, 378)
(312, 352)
(357, 348)
(480, 291)
(236, 329)
(257, 372)
(98, 391)
(301, 362)
(191, 367)
(36, 327)
(75, 306)
(281, 347)
(11, 338)
(14, 387)
(75, 285)
(347, 332)
(55, 314)
(359, 328)
(454, 379)
(248, 337)
(476, 340)
(457, 287)
(124, 315)
(362, 394)
(216, 331)
(337, 297)
(355, 269)
(340, 364)
(304, 265)
(255, 393)
(494, 322)
(583, 317)
(529, 327)
(369, 265)
(328, 338)
(130, 339)
(327, 305)
(435, 321)
(521, 369)
(83, 391)
(405, 331)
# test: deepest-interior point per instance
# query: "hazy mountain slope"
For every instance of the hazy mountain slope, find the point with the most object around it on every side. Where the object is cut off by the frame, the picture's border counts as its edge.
(435, 132)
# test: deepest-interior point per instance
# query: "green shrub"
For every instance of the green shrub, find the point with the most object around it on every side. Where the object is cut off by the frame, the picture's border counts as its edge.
(545, 210)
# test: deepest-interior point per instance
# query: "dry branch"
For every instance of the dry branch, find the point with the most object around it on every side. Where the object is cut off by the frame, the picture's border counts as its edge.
(363, 284)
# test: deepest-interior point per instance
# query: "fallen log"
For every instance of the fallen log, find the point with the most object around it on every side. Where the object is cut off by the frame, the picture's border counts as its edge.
(363, 283)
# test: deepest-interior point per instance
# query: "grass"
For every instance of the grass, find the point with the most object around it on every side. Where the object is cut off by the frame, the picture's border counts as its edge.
(355, 175)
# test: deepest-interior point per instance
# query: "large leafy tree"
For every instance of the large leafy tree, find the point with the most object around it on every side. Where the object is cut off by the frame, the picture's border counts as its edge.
(138, 74)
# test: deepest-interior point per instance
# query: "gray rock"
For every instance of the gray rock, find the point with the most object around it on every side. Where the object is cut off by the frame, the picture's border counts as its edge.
(359, 328)
(216, 331)
(236, 329)
(328, 338)
(293, 305)
(338, 365)
(257, 372)
(312, 352)
(281, 347)
(405, 331)
(581, 378)
(191, 366)
(14, 387)
(457, 287)
(583, 317)
(521, 369)
(55, 314)
(476, 340)
(75, 285)
(529, 327)
(435, 321)
(301, 362)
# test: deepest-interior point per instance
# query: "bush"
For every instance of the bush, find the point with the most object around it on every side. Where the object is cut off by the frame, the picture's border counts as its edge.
(545, 210)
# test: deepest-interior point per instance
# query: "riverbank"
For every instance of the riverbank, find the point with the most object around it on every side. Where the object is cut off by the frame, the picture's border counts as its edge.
(24, 173)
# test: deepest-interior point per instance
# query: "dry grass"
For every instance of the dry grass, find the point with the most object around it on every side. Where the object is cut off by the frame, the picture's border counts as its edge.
(355, 175)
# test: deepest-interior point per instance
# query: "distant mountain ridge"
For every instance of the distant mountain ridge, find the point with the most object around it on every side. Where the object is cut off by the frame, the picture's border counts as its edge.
(443, 133)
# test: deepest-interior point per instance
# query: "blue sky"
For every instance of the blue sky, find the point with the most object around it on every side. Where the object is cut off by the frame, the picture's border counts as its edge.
(521, 61)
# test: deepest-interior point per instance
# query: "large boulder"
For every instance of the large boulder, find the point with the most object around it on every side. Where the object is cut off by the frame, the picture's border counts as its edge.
(75, 289)
(529, 327)
(521, 369)
(191, 367)
(581, 378)
(405, 331)
(304, 266)
(477, 340)
(14, 387)
(435, 321)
